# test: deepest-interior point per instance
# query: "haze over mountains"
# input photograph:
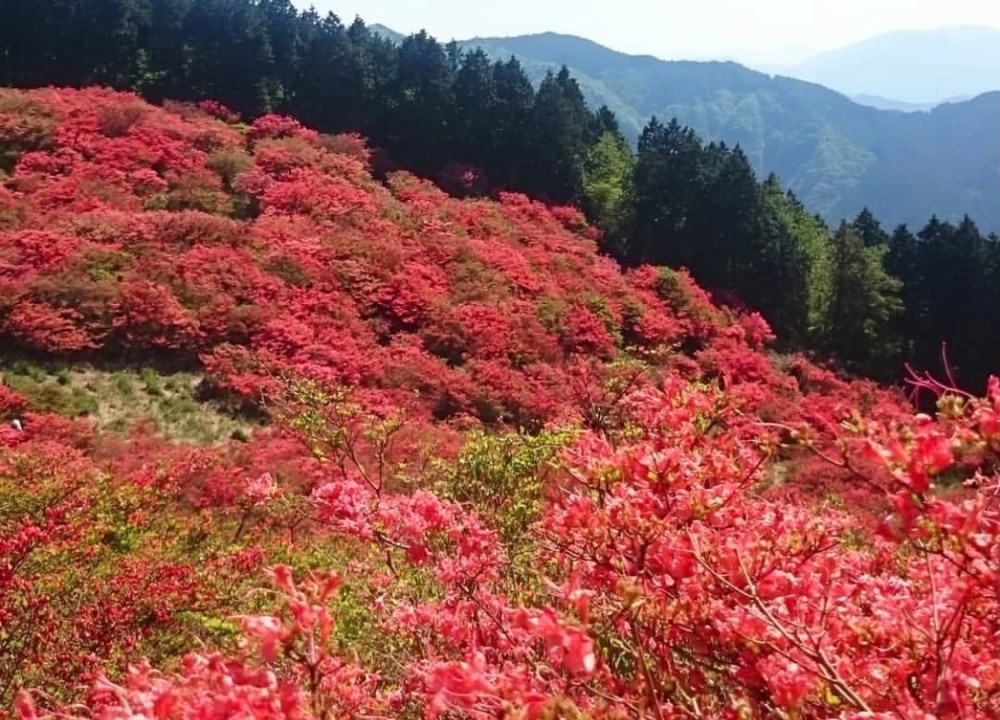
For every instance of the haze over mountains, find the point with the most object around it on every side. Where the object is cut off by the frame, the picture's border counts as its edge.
(908, 69)
(835, 154)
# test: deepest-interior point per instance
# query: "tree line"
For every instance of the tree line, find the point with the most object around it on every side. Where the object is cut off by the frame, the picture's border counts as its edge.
(874, 300)
(427, 106)
(869, 298)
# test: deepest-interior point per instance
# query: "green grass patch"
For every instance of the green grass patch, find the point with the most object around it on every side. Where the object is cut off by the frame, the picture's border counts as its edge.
(117, 401)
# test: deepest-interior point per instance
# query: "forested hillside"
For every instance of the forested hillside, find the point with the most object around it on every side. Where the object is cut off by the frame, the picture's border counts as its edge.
(836, 155)
(422, 104)
(453, 463)
(873, 298)
(427, 107)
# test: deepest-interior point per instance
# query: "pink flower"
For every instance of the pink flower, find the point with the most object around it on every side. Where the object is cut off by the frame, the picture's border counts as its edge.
(261, 489)
(267, 630)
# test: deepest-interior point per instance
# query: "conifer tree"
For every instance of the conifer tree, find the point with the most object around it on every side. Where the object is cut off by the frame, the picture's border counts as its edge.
(663, 198)
(475, 108)
(870, 229)
(561, 133)
(509, 148)
(862, 306)
(788, 282)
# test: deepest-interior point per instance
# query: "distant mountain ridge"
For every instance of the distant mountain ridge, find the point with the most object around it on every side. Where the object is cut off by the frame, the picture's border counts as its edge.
(884, 103)
(835, 154)
(387, 32)
(923, 67)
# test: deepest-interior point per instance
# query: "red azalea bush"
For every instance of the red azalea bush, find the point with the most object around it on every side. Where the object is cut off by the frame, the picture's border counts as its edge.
(501, 479)
(672, 578)
(184, 233)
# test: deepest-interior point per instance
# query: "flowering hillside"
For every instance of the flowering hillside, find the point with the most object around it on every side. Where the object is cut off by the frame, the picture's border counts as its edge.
(250, 251)
(492, 476)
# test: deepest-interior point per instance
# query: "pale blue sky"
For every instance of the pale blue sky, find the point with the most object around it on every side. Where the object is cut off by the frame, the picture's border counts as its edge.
(758, 31)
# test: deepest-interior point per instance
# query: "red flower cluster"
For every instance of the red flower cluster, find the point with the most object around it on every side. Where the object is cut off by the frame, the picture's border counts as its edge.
(699, 530)
(129, 228)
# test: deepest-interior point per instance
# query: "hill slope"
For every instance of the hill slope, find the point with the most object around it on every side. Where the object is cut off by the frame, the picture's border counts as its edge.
(671, 486)
(248, 253)
(836, 155)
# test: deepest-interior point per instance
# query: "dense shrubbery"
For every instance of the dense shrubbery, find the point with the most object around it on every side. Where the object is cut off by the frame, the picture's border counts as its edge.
(501, 478)
(266, 252)
(868, 299)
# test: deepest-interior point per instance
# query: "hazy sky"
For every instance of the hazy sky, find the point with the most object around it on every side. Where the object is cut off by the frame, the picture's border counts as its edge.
(758, 31)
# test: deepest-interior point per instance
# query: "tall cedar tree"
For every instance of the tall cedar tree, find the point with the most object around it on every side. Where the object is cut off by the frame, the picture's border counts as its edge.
(561, 133)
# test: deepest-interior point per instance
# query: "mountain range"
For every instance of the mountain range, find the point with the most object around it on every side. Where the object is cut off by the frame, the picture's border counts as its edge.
(836, 154)
(908, 69)
(884, 103)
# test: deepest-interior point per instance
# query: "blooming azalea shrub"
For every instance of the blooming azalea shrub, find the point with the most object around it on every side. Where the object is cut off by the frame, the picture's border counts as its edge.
(177, 231)
(218, 110)
(93, 569)
(717, 599)
(666, 578)
(499, 478)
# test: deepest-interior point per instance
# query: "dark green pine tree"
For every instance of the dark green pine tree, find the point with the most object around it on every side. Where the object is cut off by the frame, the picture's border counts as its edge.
(73, 42)
(561, 133)
(902, 261)
(663, 200)
(475, 109)
(27, 35)
(168, 52)
(975, 344)
(289, 35)
(870, 229)
(424, 105)
(342, 77)
(327, 86)
(111, 32)
(785, 283)
(604, 121)
(991, 336)
(941, 272)
(728, 250)
(229, 56)
(510, 145)
(958, 318)
(377, 61)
